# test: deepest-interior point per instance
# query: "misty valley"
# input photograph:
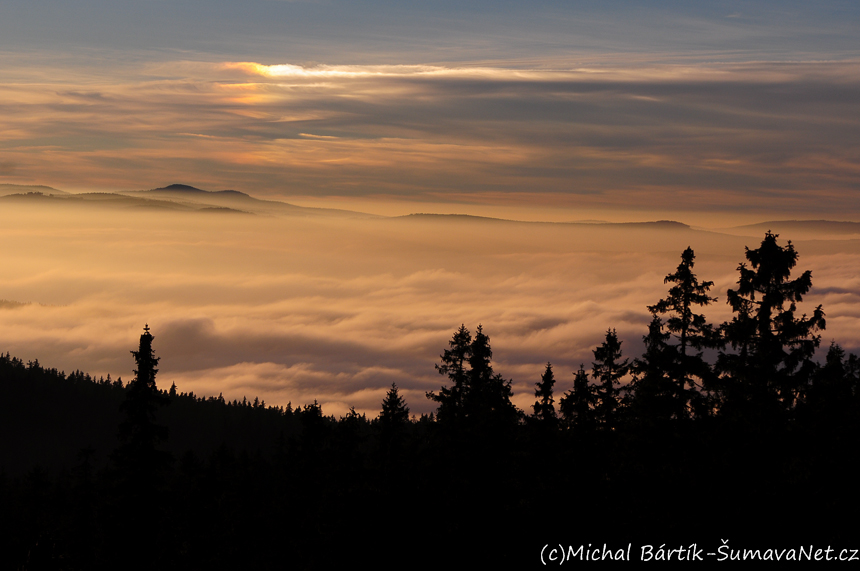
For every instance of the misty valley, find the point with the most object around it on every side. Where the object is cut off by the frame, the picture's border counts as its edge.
(316, 387)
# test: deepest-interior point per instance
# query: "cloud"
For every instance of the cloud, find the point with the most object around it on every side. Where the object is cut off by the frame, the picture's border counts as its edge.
(331, 71)
(7, 168)
(386, 32)
(765, 136)
(292, 309)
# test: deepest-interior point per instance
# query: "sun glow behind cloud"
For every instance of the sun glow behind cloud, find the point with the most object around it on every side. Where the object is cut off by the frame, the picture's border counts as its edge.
(297, 71)
(649, 137)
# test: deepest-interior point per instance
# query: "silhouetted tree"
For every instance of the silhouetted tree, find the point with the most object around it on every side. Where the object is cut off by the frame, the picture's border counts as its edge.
(395, 413)
(691, 329)
(140, 533)
(773, 347)
(544, 407)
(607, 370)
(393, 424)
(832, 397)
(139, 434)
(655, 393)
(578, 404)
(488, 399)
(477, 395)
(315, 427)
(454, 361)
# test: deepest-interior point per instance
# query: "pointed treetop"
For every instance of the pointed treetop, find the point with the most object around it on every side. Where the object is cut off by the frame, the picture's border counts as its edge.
(544, 409)
(394, 409)
(690, 328)
(145, 359)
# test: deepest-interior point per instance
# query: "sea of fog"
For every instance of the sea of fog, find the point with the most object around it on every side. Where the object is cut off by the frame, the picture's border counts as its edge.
(293, 305)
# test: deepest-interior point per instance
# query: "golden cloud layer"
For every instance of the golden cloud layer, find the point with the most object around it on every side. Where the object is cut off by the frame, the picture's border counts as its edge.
(296, 308)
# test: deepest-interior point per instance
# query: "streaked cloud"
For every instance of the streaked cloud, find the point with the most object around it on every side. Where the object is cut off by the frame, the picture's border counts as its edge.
(765, 136)
(347, 71)
(396, 32)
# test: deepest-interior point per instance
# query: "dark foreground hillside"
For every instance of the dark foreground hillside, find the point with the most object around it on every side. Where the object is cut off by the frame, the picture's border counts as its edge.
(244, 486)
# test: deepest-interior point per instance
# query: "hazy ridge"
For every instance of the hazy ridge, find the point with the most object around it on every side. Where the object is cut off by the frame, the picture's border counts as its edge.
(187, 198)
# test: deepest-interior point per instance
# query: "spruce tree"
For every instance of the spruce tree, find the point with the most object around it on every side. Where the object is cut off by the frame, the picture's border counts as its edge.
(688, 369)
(477, 395)
(454, 362)
(773, 347)
(139, 434)
(395, 413)
(544, 407)
(393, 424)
(488, 399)
(139, 536)
(607, 370)
(832, 399)
(578, 404)
(655, 393)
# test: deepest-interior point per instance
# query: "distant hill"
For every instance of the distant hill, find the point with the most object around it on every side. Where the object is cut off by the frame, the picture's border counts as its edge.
(166, 201)
(655, 225)
(187, 189)
(234, 199)
(798, 228)
(7, 189)
(174, 197)
(92, 199)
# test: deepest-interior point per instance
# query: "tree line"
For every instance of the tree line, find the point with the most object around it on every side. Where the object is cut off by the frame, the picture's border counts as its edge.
(714, 430)
(764, 370)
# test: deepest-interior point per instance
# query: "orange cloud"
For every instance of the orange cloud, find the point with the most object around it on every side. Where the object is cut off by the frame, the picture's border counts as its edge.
(293, 308)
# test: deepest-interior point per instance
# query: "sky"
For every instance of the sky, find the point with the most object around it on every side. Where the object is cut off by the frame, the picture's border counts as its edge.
(649, 105)
(714, 114)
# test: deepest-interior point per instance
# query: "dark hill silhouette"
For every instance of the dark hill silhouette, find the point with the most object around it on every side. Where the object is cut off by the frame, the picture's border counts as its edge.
(465, 218)
(6, 189)
(657, 225)
(175, 197)
(799, 229)
(102, 200)
(192, 196)
(31, 197)
(56, 415)
(222, 210)
(185, 188)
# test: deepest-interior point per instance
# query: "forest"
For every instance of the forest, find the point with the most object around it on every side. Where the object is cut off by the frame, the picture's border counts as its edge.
(745, 430)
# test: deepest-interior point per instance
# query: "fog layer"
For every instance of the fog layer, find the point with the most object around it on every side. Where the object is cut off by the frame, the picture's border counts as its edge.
(335, 307)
